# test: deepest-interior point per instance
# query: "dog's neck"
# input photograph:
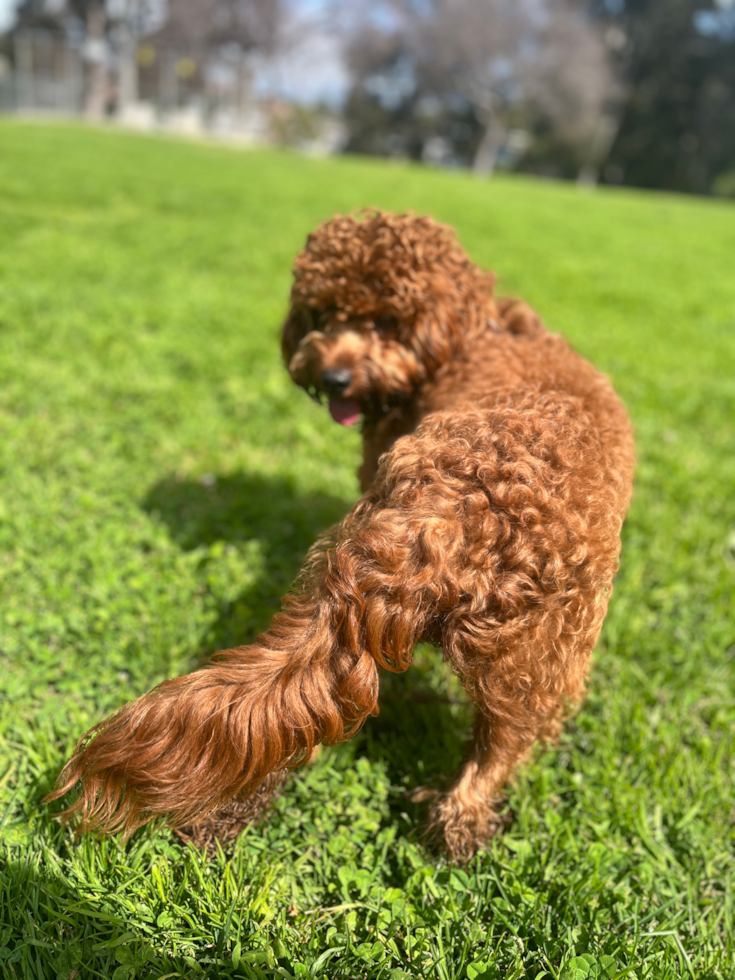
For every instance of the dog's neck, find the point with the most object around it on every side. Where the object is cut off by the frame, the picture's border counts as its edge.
(387, 423)
(379, 434)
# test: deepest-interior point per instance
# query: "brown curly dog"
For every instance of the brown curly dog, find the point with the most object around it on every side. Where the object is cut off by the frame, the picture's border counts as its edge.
(497, 470)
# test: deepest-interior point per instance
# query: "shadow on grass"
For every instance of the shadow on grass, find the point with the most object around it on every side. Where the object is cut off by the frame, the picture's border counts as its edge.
(424, 724)
(271, 512)
(243, 506)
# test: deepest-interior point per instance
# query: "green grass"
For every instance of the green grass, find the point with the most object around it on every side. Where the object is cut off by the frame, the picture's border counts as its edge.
(161, 482)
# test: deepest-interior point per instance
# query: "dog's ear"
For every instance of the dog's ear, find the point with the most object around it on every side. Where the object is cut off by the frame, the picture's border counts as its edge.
(300, 321)
(435, 337)
(439, 327)
(518, 318)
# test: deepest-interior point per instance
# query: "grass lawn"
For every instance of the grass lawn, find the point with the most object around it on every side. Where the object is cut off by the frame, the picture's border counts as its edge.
(161, 481)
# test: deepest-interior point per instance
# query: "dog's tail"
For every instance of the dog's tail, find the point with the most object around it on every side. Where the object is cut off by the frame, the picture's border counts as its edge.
(196, 742)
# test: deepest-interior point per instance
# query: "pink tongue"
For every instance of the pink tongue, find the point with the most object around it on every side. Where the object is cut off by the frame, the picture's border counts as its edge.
(344, 411)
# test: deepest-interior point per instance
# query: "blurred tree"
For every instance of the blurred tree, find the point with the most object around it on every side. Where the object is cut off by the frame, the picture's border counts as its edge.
(201, 25)
(546, 60)
(677, 130)
(390, 110)
(454, 77)
(197, 32)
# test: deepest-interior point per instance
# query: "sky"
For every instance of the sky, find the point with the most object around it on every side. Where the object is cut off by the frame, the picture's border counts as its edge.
(312, 69)
(6, 13)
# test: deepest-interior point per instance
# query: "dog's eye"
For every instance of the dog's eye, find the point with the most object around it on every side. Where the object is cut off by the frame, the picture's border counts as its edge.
(384, 323)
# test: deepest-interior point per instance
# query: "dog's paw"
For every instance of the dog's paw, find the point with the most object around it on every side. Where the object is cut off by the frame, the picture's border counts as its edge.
(461, 828)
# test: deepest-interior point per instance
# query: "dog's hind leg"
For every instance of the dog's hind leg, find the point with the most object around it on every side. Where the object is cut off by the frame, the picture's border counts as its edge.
(516, 707)
(521, 692)
(522, 684)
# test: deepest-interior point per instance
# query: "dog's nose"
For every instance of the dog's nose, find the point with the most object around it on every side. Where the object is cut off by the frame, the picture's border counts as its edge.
(336, 380)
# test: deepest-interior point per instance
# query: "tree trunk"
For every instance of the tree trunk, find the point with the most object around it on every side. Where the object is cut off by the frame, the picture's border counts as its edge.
(486, 154)
(95, 54)
(25, 88)
(168, 84)
(128, 72)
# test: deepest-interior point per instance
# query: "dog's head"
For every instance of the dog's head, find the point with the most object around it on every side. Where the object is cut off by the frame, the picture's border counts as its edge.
(379, 303)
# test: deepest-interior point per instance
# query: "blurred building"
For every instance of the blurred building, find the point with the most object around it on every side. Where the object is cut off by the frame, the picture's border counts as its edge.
(187, 66)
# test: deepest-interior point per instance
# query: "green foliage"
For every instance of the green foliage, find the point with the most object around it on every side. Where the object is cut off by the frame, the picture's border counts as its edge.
(162, 481)
(677, 124)
(724, 184)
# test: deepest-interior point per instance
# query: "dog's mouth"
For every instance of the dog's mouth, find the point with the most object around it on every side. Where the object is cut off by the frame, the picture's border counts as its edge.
(346, 411)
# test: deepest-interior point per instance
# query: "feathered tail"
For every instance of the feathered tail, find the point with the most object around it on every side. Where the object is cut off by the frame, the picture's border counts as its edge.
(196, 742)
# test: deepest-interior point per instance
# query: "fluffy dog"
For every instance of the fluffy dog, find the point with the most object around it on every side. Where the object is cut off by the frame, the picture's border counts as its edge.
(496, 473)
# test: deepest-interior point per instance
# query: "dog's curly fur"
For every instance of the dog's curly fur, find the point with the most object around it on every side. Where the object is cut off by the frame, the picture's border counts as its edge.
(497, 470)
